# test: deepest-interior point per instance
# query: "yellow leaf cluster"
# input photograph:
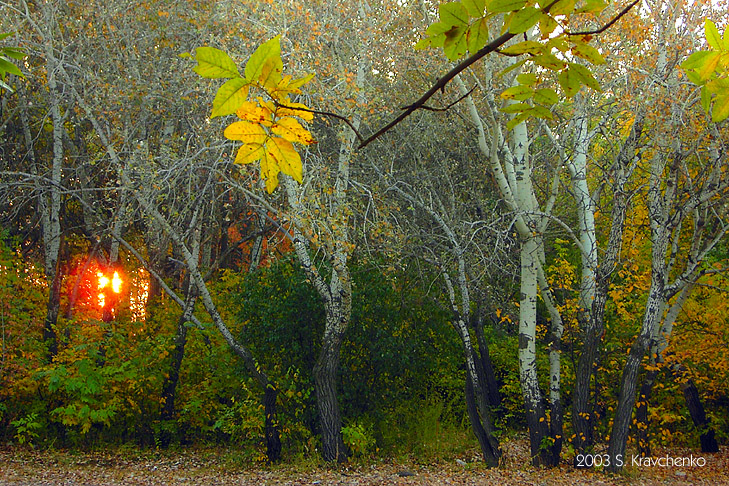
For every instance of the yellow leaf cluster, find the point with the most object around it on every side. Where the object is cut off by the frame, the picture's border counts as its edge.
(268, 131)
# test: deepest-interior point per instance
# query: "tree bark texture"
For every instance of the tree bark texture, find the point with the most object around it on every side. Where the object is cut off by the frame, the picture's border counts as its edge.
(532, 395)
(326, 372)
(698, 415)
(628, 385)
(642, 420)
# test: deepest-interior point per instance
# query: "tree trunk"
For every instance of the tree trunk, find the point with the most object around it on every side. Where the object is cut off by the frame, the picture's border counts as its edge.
(626, 399)
(481, 428)
(698, 415)
(257, 246)
(485, 368)
(271, 429)
(326, 373)
(50, 199)
(532, 395)
(642, 420)
(169, 385)
(52, 309)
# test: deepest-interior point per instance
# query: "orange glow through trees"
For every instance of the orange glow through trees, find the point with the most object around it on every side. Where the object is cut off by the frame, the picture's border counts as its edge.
(116, 283)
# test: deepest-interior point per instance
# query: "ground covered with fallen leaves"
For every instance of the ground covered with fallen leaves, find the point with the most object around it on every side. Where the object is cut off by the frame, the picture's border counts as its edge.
(219, 467)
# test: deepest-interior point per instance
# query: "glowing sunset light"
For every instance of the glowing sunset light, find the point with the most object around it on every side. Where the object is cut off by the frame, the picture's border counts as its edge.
(104, 281)
(116, 283)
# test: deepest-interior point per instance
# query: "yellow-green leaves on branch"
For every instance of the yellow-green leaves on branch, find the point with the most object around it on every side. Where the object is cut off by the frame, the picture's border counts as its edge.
(462, 27)
(7, 66)
(267, 127)
(710, 70)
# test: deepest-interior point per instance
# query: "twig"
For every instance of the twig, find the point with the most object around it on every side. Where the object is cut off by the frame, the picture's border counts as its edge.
(360, 138)
(487, 49)
(609, 24)
(432, 108)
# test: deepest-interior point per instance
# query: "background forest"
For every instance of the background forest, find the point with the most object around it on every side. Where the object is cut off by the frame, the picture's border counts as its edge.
(529, 259)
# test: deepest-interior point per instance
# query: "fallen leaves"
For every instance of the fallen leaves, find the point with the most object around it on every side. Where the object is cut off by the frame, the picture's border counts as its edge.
(219, 467)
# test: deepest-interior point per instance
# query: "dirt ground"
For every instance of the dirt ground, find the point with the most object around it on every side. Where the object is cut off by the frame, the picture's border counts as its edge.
(22, 466)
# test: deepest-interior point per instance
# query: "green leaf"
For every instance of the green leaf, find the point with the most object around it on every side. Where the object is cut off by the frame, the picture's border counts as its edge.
(298, 83)
(720, 111)
(8, 67)
(423, 43)
(521, 117)
(526, 47)
(477, 35)
(718, 85)
(694, 77)
(592, 6)
(549, 61)
(563, 7)
(230, 96)
(270, 74)
(585, 76)
(546, 96)
(453, 14)
(516, 108)
(5, 35)
(437, 28)
(519, 93)
(455, 43)
(560, 43)
(696, 60)
(436, 31)
(541, 111)
(214, 63)
(586, 51)
(547, 25)
(712, 35)
(6, 86)
(271, 49)
(516, 65)
(12, 52)
(497, 6)
(527, 79)
(524, 20)
(569, 82)
(475, 8)
(705, 99)
(710, 64)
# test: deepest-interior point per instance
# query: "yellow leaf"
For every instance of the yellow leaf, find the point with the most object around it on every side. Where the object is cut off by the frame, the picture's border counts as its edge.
(253, 112)
(286, 156)
(248, 153)
(270, 74)
(291, 130)
(283, 89)
(245, 132)
(269, 171)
